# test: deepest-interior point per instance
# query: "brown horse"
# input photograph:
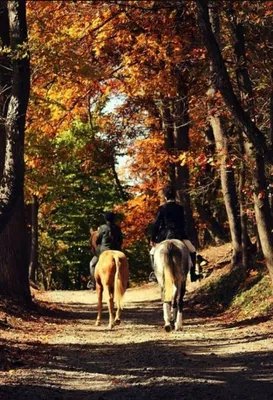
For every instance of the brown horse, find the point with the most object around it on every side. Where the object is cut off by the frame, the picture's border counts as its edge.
(111, 276)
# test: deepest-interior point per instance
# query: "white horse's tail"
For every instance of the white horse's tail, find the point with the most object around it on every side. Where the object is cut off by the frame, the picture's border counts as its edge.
(172, 261)
(120, 284)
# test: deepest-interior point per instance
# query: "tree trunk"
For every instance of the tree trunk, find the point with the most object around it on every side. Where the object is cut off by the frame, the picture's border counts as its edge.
(13, 102)
(167, 126)
(246, 98)
(226, 172)
(223, 81)
(33, 265)
(213, 227)
(182, 143)
(258, 151)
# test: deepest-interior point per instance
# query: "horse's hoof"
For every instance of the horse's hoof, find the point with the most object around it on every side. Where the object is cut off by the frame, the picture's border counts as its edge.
(172, 325)
(168, 328)
(110, 326)
(117, 321)
(178, 327)
(97, 323)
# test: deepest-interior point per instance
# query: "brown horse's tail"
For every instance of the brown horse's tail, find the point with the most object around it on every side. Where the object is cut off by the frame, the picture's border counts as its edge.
(121, 278)
(172, 261)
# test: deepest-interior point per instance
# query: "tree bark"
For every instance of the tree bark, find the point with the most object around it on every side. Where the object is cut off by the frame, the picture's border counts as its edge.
(213, 227)
(13, 102)
(33, 265)
(221, 143)
(257, 151)
(223, 82)
(175, 124)
(182, 143)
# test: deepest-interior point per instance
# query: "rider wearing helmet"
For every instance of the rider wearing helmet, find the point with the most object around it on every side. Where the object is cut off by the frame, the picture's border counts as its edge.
(109, 238)
(169, 223)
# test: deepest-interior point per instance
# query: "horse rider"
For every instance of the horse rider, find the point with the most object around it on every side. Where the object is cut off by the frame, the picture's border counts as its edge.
(109, 238)
(169, 223)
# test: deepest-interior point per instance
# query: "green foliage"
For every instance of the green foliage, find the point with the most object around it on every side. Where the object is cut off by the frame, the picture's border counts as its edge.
(220, 292)
(74, 201)
(255, 299)
(139, 262)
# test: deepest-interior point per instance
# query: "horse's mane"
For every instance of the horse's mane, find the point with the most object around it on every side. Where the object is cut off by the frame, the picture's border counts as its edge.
(93, 240)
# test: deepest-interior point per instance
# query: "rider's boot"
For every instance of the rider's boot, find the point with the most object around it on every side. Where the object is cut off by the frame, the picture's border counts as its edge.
(152, 261)
(194, 276)
(152, 277)
(92, 273)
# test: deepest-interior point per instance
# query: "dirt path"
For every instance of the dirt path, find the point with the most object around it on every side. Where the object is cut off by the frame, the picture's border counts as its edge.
(67, 357)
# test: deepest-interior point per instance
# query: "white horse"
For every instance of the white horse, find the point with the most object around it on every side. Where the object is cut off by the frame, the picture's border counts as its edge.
(171, 265)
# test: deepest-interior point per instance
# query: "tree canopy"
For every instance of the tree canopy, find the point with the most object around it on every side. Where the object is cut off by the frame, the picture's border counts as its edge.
(127, 96)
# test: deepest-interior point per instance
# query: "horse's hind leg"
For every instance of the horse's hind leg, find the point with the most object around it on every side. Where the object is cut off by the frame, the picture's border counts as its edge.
(179, 317)
(173, 313)
(110, 301)
(99, 290)
(167, 316)
(117, 317)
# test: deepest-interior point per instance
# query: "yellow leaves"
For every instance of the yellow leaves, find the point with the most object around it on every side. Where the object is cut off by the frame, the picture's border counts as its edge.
(61, 246)
(183, 159)
(12, 371)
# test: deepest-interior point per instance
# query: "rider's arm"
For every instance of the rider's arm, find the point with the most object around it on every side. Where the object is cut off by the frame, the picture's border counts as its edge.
(100, 235)
(156, 224)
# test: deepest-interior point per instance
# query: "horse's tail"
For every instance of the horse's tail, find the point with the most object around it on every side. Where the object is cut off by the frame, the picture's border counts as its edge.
(172, 259)
(120, 285)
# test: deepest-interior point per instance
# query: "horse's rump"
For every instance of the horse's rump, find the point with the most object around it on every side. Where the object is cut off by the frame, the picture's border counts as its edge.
(171, 266)
(112, 270)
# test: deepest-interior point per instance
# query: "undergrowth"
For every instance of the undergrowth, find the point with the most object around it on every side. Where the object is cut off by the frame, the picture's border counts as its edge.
(244, 294)
(253, 300)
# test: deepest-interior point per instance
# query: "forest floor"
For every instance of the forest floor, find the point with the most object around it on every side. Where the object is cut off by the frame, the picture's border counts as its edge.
(57, 352)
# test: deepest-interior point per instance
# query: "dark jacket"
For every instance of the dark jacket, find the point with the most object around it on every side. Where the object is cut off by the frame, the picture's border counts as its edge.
(169, 223)
(109, 238)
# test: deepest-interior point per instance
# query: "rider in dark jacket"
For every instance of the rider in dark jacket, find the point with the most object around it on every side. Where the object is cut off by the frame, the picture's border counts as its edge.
(109, 238)
(169, 223)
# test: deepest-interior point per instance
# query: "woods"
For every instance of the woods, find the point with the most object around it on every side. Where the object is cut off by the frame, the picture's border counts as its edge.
(103, 103)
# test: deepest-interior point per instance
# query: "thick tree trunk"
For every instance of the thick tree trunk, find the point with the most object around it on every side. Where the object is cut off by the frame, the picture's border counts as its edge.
(226, 172)
(175, 124)
(246, 98)
(262, 210)
(261, 203)
(182, 142)
(228, 189)
(167, 126)
(33, 265)
(14, 255)
(13, 102)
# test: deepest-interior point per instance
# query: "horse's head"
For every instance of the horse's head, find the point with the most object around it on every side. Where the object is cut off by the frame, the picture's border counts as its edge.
(93, 240)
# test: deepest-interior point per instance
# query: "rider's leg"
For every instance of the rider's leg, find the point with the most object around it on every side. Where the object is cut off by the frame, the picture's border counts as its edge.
(152, 257)
(92, 265)
(152, 277)
(192, 250)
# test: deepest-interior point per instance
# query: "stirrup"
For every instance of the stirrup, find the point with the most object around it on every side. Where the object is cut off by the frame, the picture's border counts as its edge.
(91, 285)
(152, 277)
(195, 277)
